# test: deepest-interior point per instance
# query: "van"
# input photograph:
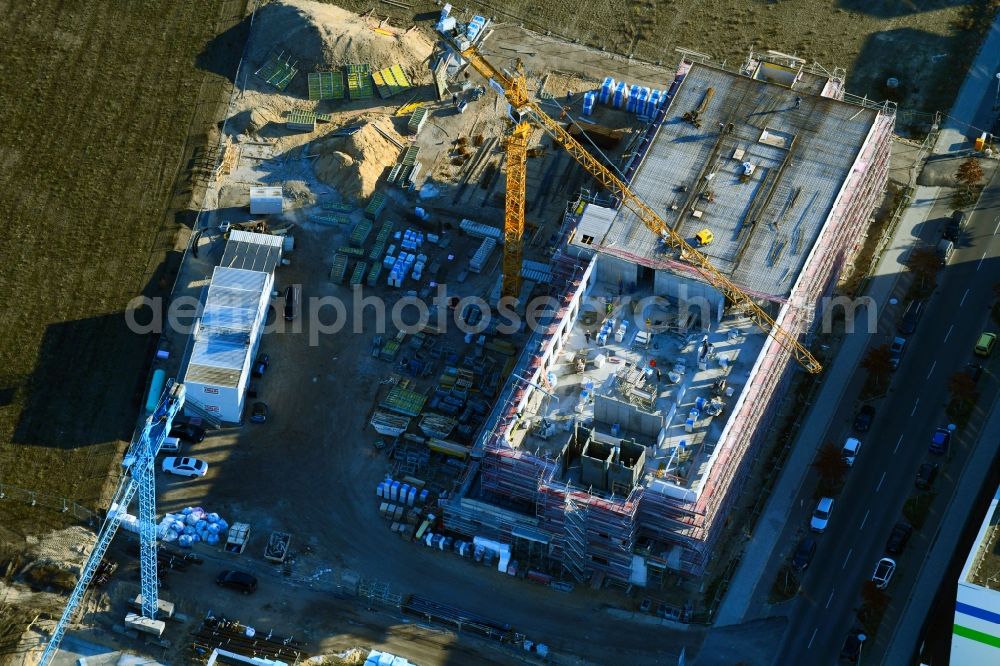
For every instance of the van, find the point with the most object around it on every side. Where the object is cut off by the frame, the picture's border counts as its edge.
(292, 298)
(171, 445)
(945, 248)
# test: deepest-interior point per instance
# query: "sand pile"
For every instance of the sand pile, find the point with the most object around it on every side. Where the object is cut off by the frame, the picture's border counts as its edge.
(323, 37)
(353, 165)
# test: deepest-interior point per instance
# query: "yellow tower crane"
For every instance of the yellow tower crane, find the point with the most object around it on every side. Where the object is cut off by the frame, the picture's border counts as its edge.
(524, 112)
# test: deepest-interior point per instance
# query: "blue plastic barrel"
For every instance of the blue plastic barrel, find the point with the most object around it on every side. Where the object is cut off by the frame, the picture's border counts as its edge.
(588, 103)
(607, 89)
(621, 94)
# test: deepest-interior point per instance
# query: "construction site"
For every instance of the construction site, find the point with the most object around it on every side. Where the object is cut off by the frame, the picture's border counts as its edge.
(619, 268)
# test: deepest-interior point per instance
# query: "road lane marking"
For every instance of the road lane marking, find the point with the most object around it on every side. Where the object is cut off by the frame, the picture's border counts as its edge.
(933, 365)
(915, 407)
(846, 559)
(879, 486)
(897, 444)
(828, 601)
(865, 520)
(997, 228)
(962, 302)
(981, 262)
(812, 638)
(948, 334)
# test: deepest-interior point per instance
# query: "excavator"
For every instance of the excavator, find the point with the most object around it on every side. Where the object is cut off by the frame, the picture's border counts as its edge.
(525, 115)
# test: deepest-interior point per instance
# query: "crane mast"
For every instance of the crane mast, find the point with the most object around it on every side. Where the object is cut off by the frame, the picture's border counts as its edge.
(524, 110)
(140, 471)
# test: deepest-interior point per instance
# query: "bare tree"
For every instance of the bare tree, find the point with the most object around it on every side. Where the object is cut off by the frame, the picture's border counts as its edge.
(963, 387)
(878, 363)
(925, 264)
(830, 464)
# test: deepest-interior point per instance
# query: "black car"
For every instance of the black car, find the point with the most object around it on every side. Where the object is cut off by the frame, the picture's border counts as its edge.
(237, 580)
(911, 317)
(926, 474)
(852, 646)
(974, 370)
(260, 366)
(898, 537)
(188, 432)
(804, 554)
(956, 223)
(258, 413)
(863, 421)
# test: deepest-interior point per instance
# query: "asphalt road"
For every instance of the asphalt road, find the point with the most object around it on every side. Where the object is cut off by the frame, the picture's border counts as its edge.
(881, 480)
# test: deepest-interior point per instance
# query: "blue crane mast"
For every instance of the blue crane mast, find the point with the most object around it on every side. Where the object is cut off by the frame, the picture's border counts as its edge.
(140, 476)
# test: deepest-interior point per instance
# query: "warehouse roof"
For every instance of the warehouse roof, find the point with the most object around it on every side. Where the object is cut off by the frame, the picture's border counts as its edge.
(222, 343)
(801, 146)
(252, 251)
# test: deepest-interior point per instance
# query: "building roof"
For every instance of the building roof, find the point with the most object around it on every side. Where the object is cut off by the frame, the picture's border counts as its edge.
(983, 565)
(252, 251)
(265, 191)
(224, 338)
(764, 225)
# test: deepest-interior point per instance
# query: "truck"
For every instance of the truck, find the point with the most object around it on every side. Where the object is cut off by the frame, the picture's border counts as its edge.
(277, 546)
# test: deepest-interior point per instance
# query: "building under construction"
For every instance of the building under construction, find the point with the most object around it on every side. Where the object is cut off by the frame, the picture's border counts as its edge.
(627, 429)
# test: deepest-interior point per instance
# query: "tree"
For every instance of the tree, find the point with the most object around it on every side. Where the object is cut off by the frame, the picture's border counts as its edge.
(969, 173)
(925, 264)
(878, 362)
(963, 387)
(830, 465)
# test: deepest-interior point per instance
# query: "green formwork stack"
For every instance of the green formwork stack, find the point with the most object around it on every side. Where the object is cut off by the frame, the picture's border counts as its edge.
(359, 82)
(361, 232)
(373, 274)
(351, 251)
(326, 85)
(327, 218)
(404, 401)
(375, 206)
(337, 207)
(339, 269)
(380, 241)
(358, 276)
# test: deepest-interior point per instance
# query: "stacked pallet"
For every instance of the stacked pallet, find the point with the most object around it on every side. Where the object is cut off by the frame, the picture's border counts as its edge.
(359, 81)
(326, 218)
(380, 241)
(373, 274)
(298, 119)
(404, 401)
(375, 206)
(337, 207)
(417, 120)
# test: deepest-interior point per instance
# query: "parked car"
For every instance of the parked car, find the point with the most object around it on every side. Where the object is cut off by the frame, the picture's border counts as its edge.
(954, 226)
(852, 646)
(292, 299)
(170, 445)
(945, 248)
(898, 537)
(260, 366)
(184, 466)
(911, 317)
(883, 572)
(850, 451)
(237, 580)
(985, 344)
(896, 351)
(926, 474)
(804, 554)
(188, 432)
(940, 441)
(864, 418)
(821, 515)
(974, 370)
(258, 413)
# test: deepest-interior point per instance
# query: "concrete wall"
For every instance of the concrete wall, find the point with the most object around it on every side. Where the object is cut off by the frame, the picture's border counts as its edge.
(692, 292)
(594, 464)
(629, 417)
(614, 272)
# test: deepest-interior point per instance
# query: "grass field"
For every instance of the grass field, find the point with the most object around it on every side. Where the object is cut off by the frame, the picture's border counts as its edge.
(926, 44)
(101, 105)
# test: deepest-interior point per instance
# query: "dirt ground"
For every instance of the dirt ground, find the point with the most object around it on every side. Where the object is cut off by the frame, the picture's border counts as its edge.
(925, 44)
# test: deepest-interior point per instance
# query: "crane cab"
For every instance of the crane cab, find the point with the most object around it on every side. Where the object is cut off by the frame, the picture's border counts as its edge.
(704, 237)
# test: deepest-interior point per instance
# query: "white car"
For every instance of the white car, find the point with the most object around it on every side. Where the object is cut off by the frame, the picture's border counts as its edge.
(850, 450)
(185, 466)
(883, 572)
(821, 515)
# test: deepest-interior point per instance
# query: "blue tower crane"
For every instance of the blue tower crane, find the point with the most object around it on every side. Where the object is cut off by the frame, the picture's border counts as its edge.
(140, 475)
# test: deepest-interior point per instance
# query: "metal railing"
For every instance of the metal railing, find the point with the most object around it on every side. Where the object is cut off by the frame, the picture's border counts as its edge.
(33, 498)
